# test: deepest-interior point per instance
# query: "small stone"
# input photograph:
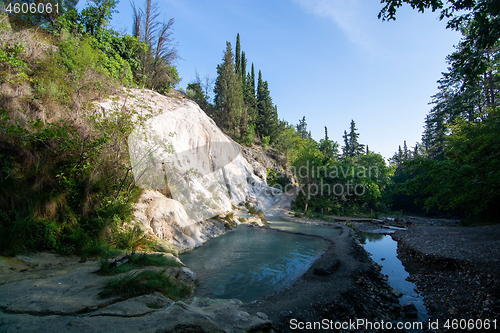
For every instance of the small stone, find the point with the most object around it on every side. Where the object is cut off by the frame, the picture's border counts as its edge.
(410, 310)
(286, 313)
(397, 293)
(262, 316)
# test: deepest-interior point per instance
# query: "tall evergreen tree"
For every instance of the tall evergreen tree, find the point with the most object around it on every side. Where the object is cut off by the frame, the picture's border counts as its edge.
(250, 101)
(267, 114)
(237, 57)
(328, 147)
(243, 68)
(352, 147)
(252, 76)
(228, 95)
(345, 149)
(302, 129)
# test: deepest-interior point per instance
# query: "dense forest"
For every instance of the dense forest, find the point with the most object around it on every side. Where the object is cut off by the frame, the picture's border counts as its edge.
(65, 179)
(456, 166)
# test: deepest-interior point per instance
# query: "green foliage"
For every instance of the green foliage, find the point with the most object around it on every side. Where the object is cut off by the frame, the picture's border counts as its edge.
(97, 15)
(68, 188)
(137, 261)
(332, 186)
(228, 95)
(276, 179)
(252, 209)
(13, 68)
(145, 282)
(467, 180)
(265, 140)
(128, 238)
(249, 137)
(352, 147)
(66, 184)
(329, 148)
(229, 216)
(267, 113)
(455, 167)
(481, 16)
(302, 129)
(195, 92)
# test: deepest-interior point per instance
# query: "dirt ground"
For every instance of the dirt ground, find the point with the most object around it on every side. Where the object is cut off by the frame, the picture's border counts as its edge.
(456, 269)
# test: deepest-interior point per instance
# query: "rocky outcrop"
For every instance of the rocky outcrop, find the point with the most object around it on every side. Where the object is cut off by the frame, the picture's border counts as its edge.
(178, 150)
(50, 293)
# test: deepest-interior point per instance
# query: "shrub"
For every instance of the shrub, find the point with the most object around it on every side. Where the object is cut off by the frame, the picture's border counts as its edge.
(252, 210)
(128, 238)
(13, 69)
(137, 261)
(265, 140)
(145, 282)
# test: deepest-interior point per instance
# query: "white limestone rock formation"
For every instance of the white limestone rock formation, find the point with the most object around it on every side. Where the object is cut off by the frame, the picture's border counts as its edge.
(176, 148)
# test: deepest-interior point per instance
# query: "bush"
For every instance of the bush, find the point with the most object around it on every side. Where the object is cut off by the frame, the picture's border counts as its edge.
(145, 282)
(137, 261)
(13, 69)
(265, 140)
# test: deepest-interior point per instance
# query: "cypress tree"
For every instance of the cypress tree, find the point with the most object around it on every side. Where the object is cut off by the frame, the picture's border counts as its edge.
(228, 95)
(253, 80)
(267, 113)
(237, 59)
(243, 68)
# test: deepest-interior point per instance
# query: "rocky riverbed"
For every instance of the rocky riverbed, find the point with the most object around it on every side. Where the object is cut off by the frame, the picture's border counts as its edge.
(455, 268)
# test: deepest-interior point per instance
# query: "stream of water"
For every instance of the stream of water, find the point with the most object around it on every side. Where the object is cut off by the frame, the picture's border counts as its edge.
(384, 252)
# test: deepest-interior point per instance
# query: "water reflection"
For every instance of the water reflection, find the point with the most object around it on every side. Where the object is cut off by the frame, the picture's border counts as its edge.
(370, 237)
(384, 252)
(308, 229)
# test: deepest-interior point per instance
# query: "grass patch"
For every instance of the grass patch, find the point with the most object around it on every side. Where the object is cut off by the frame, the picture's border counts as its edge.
(229, 216)
(145, 282)
(137, 261)
(253, 210)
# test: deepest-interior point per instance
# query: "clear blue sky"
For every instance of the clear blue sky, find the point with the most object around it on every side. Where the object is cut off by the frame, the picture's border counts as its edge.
(330, 60)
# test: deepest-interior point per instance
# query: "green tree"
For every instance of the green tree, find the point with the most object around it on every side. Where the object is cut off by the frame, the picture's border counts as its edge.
(352, 147)
(237, 54)
(459, 13)
(195, 92)
(97, 15)
(267, 113)
(302, 129)
(328, 147)
(228, 98)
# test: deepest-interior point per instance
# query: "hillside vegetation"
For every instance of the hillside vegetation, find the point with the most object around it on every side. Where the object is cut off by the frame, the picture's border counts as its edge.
(65, 180)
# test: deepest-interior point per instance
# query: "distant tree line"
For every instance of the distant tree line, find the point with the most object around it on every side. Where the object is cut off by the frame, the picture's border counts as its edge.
(456, 166)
